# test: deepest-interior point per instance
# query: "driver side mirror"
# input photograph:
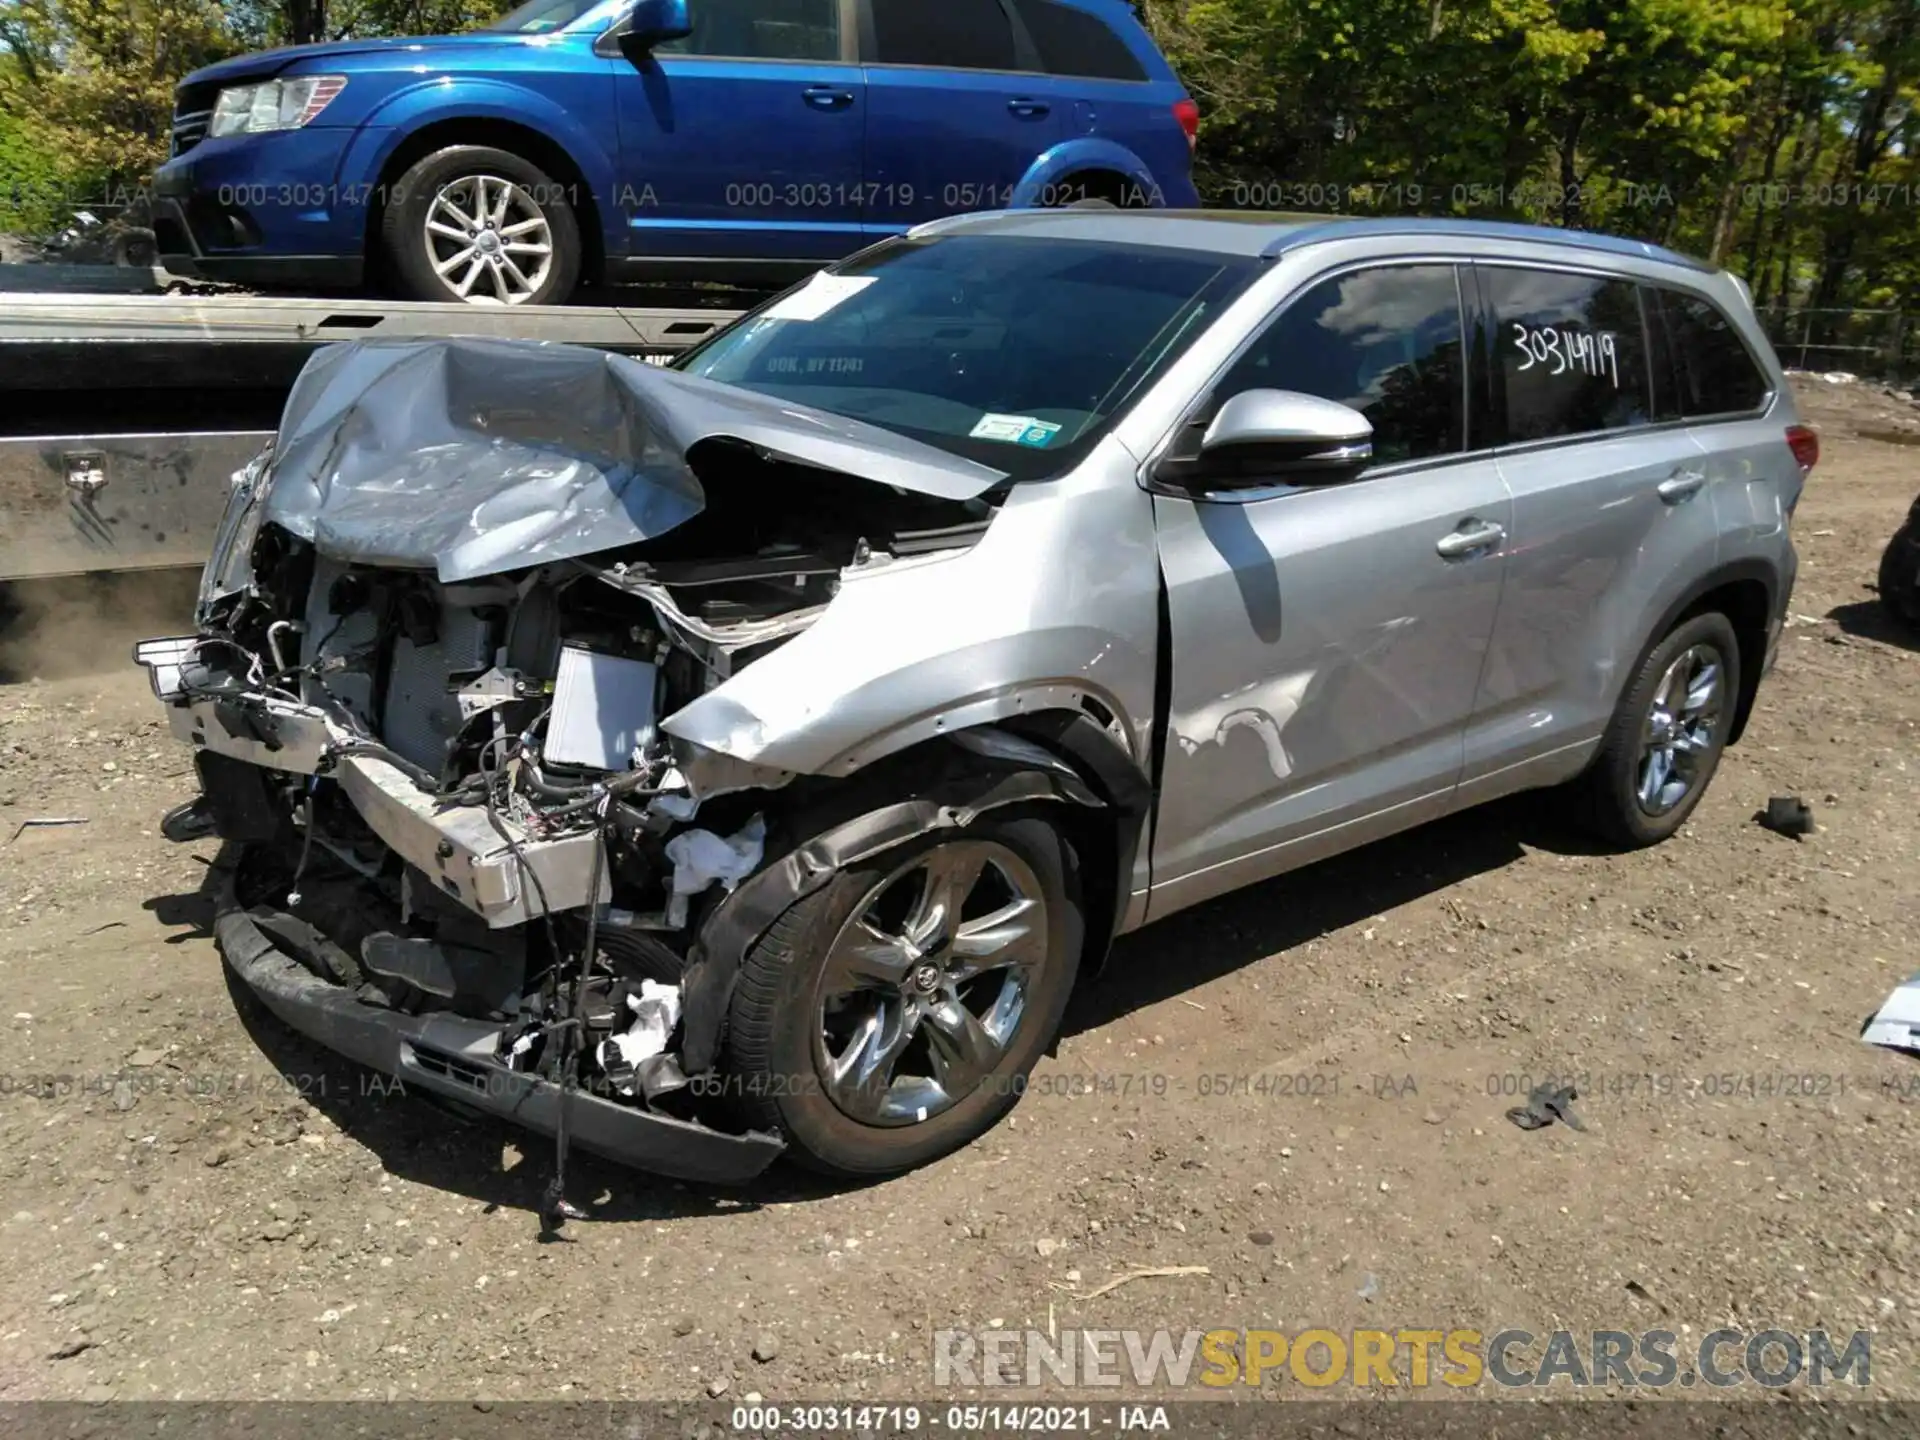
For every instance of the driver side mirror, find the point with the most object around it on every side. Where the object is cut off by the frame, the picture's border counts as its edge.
(654, 22)
(1274, 437)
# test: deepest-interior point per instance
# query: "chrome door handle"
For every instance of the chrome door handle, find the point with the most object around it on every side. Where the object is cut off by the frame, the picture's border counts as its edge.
(1028, 109)
(1467, 542)
(827, 97)
(1680, 485)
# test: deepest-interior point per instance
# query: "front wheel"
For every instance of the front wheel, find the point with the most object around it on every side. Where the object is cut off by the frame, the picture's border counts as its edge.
(895, 1014)
(484, 227)
(1667, 734)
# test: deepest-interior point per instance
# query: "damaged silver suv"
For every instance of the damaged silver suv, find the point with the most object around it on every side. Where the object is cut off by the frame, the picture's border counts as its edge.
(746, 756)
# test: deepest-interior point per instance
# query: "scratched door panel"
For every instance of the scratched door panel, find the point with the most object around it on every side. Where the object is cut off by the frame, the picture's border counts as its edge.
(70, 504)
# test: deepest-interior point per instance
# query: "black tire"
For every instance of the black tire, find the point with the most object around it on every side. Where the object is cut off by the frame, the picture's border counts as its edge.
(404, 238)
(1612, 806)
(771, 1063)
(1900, 577)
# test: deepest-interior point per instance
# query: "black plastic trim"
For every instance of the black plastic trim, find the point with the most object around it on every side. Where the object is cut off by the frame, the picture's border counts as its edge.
(434, 1053)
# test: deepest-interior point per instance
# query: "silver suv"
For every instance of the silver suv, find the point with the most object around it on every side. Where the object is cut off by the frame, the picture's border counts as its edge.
(747, 756)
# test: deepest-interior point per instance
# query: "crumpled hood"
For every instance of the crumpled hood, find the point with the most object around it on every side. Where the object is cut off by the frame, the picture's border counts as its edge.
(472, 457)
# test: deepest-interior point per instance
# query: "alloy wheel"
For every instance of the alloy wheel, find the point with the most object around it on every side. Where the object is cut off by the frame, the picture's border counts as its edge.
(926, 984)
(1681, 728)
(488, 241)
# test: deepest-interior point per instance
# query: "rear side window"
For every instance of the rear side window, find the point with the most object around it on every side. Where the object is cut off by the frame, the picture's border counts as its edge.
(1385, 341)
(1570, 353)
(760, 30)
(947, 34)
(1715, 372)
(1072, 42)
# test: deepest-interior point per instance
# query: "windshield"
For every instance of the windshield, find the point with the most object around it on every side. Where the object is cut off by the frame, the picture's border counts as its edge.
(1015, 351)
(539, 17)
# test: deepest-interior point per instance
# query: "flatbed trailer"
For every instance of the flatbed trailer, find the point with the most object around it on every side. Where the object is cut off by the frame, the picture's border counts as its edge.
(123, 416)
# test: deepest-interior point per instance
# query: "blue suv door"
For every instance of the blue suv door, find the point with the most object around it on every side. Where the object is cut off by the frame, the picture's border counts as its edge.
(953, 121)
(744, 140)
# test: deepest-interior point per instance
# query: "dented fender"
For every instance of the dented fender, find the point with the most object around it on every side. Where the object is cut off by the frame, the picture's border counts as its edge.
(953, 801)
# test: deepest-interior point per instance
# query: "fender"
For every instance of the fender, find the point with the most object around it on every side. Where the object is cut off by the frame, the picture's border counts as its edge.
(849, 824)
(1045, 670)
(405, 113)
(1751, 568)
(1087, 152)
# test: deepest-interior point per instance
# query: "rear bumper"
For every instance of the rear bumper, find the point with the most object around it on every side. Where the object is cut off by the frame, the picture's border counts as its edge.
(451, 1057)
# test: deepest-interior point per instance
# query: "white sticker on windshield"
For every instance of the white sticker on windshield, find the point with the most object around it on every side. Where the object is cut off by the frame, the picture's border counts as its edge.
(1002, 427)
(818, 296)
(1014, 429)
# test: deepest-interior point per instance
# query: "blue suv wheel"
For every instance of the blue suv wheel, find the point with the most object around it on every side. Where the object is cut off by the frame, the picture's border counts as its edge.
(484, 226)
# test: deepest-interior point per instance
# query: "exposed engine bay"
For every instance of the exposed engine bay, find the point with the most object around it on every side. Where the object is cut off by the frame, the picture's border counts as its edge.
(452, 798)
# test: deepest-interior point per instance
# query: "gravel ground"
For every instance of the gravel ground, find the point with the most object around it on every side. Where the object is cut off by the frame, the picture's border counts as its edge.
(247, 1217)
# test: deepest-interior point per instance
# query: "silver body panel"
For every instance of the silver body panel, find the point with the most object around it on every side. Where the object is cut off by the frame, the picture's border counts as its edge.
(1331, 673)
(76, 503)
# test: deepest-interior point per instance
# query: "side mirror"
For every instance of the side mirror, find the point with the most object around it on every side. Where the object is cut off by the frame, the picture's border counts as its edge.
(1268, 437)
(653, 22)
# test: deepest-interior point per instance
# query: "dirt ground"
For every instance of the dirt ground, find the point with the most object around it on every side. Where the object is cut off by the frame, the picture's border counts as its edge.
(247, 1217)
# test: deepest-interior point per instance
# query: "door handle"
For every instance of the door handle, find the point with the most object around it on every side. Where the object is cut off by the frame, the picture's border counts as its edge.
(827, 97)
(1681, 485)
(1473, 537)
(1028, 109)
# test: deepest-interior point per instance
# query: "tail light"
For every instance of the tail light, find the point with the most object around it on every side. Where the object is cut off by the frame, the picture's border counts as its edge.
(1805, 444)
(1187, 112)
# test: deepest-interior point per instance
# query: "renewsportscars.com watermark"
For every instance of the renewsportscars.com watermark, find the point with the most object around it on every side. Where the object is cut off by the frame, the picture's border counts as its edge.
(1408, 1358)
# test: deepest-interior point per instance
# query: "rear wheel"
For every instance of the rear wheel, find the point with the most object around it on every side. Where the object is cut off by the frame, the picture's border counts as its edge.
(1667, 734)
(483, 226)
(895, 1014)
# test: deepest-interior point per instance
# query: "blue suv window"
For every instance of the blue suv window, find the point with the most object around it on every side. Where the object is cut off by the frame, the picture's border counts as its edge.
(1073, 42)
(761, 30)
(1015, 351)
(946, 34)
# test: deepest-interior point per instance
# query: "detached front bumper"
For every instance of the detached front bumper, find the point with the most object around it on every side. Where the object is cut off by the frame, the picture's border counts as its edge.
(456, 846)
(452, 1057)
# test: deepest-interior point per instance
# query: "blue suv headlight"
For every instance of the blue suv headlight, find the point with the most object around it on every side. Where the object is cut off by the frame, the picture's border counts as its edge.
(274, 104)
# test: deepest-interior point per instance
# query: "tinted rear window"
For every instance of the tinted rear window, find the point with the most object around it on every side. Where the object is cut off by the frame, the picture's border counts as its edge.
(1571, 352)
(949, 34)
(1072, 42)
(1014, 351)
(1716, 373)
(1384, 341)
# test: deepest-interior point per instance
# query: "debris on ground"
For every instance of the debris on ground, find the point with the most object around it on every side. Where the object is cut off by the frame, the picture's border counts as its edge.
(1547, 1103)
(1896, 1025)
(1127, 1277)
(1788, 815)
(44, 821)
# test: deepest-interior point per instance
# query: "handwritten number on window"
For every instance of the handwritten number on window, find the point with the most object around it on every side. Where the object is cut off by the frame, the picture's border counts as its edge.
(1585, 352)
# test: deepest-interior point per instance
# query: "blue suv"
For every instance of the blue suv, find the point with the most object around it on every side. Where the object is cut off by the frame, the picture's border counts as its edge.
(618, 140)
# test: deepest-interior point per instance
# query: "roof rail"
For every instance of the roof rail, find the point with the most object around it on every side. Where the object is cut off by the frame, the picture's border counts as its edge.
(1484, 230)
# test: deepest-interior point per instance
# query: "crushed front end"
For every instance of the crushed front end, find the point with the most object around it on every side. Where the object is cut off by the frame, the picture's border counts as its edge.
(460, 847)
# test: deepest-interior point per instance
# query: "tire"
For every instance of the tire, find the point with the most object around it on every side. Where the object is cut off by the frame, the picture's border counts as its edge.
(1614, 784)
(1900, 577)
(786, 1028)
(538, 209)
